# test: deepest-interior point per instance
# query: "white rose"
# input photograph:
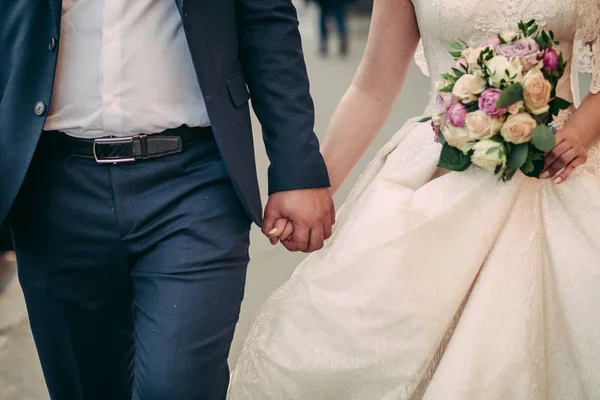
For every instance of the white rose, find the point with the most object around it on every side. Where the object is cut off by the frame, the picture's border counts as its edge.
(489, 154)
(482, 126)
(518, 128)
(468, 87)
(502, 70)
(458, 137)
(509, 36)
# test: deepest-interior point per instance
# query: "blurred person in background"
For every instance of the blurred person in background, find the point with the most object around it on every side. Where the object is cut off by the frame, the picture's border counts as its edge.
(335, 9)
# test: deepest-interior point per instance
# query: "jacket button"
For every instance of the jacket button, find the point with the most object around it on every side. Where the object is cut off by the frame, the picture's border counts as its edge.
(39, 108)
(52, 44)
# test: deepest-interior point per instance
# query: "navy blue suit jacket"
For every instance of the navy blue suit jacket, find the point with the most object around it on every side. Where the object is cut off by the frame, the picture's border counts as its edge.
(236, 45)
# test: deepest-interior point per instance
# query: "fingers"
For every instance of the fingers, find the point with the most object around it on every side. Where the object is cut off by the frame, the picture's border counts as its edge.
(568, 170)
(299, 240)
(327, 228)
(271, 216)
(275, 234)
(554, 155)
(317, 237)
(560, 163)
(287, 232)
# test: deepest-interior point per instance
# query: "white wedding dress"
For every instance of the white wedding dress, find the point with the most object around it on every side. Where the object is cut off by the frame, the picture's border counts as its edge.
(452, 287)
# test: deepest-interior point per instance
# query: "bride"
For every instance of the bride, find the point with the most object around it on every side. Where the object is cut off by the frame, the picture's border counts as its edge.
(436, 284)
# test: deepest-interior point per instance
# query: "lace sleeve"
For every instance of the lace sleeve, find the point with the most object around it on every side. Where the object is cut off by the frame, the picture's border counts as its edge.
(420, 59)
(586, 50)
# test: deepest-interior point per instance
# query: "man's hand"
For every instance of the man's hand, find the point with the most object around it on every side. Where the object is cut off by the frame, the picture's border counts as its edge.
(301, 219)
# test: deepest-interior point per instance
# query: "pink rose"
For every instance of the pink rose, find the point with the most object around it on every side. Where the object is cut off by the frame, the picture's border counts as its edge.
(526, 50)
(536, 92)
(488, 101)
(493, 43)
(550, 59)
(461, 64)
(456, 115)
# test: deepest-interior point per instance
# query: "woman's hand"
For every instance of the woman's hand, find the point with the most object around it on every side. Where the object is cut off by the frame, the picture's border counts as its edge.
(568, 154)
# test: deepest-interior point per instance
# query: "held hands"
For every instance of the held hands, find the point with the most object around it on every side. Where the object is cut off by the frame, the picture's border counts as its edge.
(568, 154)
(300, 219)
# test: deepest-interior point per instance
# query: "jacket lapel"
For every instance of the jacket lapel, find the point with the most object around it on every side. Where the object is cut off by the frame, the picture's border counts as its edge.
(56, 8)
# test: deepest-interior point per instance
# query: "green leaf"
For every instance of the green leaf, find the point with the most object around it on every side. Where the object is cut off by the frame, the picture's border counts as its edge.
(528, 167)
(456, 54)
(456, 46)
(508, 174)
(441, 138)
(517, 156)
(535, 163)
(453, 159)
(560, 104)
(425, 119)
(543, 138)
(447, 89)
(510, 95)
(458, 72)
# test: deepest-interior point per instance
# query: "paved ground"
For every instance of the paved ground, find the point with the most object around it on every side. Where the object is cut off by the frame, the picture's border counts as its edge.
(20, 375)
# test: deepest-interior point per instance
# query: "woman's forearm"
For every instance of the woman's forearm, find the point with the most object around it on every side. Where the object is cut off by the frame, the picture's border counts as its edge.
(585, 122)
(363, 110)
(357, 121)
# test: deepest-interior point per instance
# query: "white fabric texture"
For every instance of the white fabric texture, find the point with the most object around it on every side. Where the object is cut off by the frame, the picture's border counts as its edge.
(459, 287)
(124, 68)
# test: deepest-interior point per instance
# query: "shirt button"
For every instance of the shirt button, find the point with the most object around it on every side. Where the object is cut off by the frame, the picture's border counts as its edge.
(52, 44)
(39, 108)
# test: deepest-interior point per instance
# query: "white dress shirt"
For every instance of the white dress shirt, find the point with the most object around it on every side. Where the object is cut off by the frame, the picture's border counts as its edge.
(124, 68)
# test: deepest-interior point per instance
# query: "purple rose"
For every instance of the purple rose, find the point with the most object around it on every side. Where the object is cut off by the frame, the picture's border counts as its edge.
(493, 43)
(456, 115)
(488, 103)
(550, 59)
(526, 50)
(443, 102)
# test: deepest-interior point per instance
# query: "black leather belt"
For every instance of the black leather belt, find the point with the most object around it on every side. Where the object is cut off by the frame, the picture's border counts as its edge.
(113, 150)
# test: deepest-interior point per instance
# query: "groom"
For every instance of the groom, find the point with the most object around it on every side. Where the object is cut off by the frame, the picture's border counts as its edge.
(129, 182)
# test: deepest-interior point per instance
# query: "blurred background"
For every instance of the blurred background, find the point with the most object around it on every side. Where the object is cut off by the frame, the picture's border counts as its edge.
(331, 68)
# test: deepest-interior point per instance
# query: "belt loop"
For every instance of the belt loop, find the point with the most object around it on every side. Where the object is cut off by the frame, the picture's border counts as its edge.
(144, 146)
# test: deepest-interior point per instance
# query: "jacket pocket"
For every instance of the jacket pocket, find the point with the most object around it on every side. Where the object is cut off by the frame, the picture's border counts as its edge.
(238, 91)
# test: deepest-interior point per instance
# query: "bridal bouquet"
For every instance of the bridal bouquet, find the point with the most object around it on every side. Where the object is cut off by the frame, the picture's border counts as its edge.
(495, 107)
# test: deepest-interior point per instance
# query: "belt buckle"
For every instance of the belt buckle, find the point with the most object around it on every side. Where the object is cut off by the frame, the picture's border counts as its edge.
(114, 141)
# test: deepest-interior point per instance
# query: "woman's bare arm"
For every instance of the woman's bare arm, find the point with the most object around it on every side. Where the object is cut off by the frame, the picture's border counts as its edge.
(365, 107)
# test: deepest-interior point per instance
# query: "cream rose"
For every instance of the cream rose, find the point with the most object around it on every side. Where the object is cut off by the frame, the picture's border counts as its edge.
(442, 83)
(471, 56)
(502, 70)
(482, 126)
(536, 92)
(516, 108)
(458, 137)
(517, 128)
(489, 154)
(468, 87)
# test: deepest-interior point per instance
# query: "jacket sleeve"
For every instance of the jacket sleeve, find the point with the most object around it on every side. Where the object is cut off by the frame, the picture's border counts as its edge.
(274, 68)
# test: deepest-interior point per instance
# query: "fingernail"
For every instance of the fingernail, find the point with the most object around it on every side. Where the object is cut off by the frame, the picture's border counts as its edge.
(545, 175)
(273, 231)
(558, 180)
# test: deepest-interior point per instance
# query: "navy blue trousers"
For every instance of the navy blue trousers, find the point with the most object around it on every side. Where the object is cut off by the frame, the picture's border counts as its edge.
(133, 273)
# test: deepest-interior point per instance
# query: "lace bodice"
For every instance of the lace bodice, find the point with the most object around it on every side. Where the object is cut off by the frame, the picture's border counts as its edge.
(575, 23)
